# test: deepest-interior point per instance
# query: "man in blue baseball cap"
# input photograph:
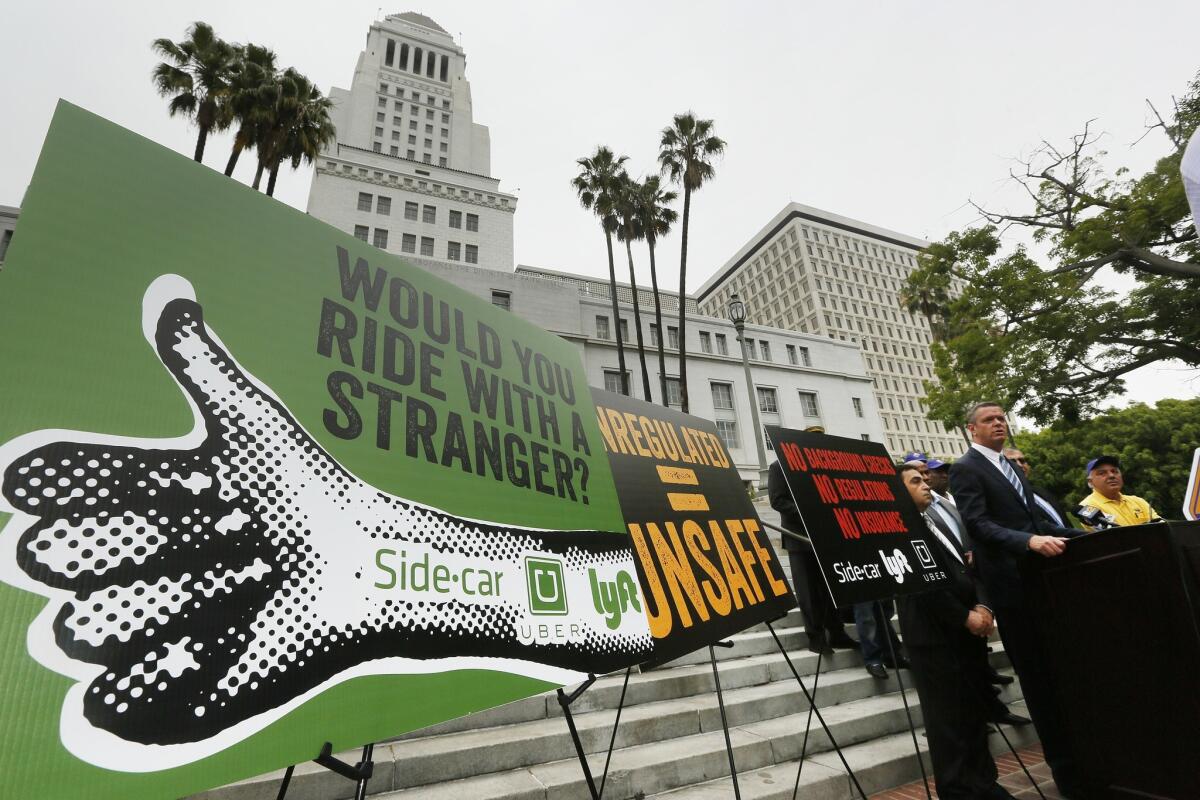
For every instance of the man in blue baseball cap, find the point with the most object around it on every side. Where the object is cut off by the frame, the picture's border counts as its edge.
(1104, 476)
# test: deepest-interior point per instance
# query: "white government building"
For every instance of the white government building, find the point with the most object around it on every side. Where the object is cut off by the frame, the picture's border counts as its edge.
(409, 173)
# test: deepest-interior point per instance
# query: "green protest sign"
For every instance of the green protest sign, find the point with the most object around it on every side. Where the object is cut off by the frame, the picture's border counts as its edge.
(265, 486)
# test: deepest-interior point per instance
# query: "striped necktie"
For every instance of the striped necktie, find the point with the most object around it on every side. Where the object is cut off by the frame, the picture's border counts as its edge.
(1011, 475)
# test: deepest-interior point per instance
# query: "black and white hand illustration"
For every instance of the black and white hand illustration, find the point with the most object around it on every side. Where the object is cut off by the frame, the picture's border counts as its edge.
(202, 587)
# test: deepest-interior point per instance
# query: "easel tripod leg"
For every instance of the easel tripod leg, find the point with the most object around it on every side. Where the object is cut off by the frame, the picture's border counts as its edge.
(737, 792)
(887, 634)
(817, 711)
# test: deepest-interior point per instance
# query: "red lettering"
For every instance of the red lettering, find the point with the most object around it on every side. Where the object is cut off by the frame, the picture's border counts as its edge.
(846, 522)
(825, 489)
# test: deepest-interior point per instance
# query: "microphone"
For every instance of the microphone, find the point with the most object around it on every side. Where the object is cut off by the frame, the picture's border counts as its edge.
(1094, 518)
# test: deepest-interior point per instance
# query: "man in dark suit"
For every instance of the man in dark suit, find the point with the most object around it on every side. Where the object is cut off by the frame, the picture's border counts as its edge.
(1043, 498)
(946, 633)
(821, 620)
(1006, 525)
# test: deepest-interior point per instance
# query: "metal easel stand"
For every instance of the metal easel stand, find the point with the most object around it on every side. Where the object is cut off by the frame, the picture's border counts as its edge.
(1036, 788)
(712, 656)
(813, 707)
(807, 728)
(565, 700)
(887, 634)
(360, 773)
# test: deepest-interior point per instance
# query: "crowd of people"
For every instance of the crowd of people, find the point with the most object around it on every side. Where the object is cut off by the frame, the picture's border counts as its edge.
(986, 515)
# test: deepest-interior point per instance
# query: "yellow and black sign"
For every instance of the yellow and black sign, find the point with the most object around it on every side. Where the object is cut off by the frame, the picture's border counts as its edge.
(706, 568)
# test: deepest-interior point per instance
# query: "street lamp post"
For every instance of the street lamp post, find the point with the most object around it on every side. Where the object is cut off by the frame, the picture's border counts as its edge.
(737, 315)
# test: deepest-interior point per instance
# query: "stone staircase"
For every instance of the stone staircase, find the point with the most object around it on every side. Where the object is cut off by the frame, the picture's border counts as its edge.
(670, 744)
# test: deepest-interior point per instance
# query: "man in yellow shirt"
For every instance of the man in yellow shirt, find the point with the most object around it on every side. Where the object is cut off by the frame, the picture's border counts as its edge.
(1104, 476)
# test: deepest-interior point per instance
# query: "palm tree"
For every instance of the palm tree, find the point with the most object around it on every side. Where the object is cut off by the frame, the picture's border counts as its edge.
(628, 230)
(310, 130)
(196, 77)
(596, 186)
(655, 218)
(254, 93)
(684, 154)
(298, 129)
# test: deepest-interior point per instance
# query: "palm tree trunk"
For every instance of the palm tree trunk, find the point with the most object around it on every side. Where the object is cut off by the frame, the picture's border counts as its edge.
(612, 290)
(258, 174)
(271, 181)
(637, 324)
(683, 386)
(200, 141)
(662, 359)
(233, 159)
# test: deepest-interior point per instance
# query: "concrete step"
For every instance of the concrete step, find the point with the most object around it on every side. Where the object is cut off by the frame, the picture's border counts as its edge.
(661, 707)
(879, 764)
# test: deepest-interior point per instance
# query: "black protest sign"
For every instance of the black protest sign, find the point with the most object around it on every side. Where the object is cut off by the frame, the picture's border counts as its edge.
(869, 537)
(706, 567)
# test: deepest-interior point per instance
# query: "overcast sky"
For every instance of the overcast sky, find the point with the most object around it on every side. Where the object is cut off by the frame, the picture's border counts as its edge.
(893, 113)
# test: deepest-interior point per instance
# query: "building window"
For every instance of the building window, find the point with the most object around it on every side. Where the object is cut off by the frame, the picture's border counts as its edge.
(722, 346)
(380, 117)
(674, 395)
(411, 155)
(722, 394)
(361, 232)
(383, 205)
(673, 337)
(766, 351)
(391, 52)
(602, 331)
(808, 404)
(442, 162)
(653, 335)
(412, 139)
(624, 326)
(502, 300)
(472, 222)
(428, 144)
(751, 348)
(727, 430)
(426, 158)
(427, 246)
(767, 401)
(394, 150)
(472, 254)
(705, 341)
(364, 201)
(403, 63)
(866, 437)
(408, 243)
(857, 403)
(429, 214)
(791, 354)
(381, 238)
(612, 381)
(453, 251)
(804, 358)
(410, 210)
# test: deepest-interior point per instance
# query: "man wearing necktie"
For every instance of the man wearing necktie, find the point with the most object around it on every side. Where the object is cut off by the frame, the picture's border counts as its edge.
(1046, 502)
(1005, 525)
(946, 633)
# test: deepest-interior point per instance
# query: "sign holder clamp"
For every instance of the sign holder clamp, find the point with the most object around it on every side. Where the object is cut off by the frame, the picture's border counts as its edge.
(360, 773)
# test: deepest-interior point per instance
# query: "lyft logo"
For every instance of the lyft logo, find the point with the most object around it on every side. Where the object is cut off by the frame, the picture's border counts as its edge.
(896, 564)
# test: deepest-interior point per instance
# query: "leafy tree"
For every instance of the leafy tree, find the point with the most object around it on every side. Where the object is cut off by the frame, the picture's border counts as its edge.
(1154, 443)
(629, 230)
(196, 76)
(1044, 335)
(596, 184)
(686, 152)
(254, 92)
(655, 218)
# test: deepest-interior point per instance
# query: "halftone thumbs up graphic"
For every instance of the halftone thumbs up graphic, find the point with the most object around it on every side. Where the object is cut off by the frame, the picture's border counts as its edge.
(200, 588)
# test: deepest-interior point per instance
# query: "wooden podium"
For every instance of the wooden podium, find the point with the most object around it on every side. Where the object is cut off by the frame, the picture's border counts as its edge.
(1121, 625)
